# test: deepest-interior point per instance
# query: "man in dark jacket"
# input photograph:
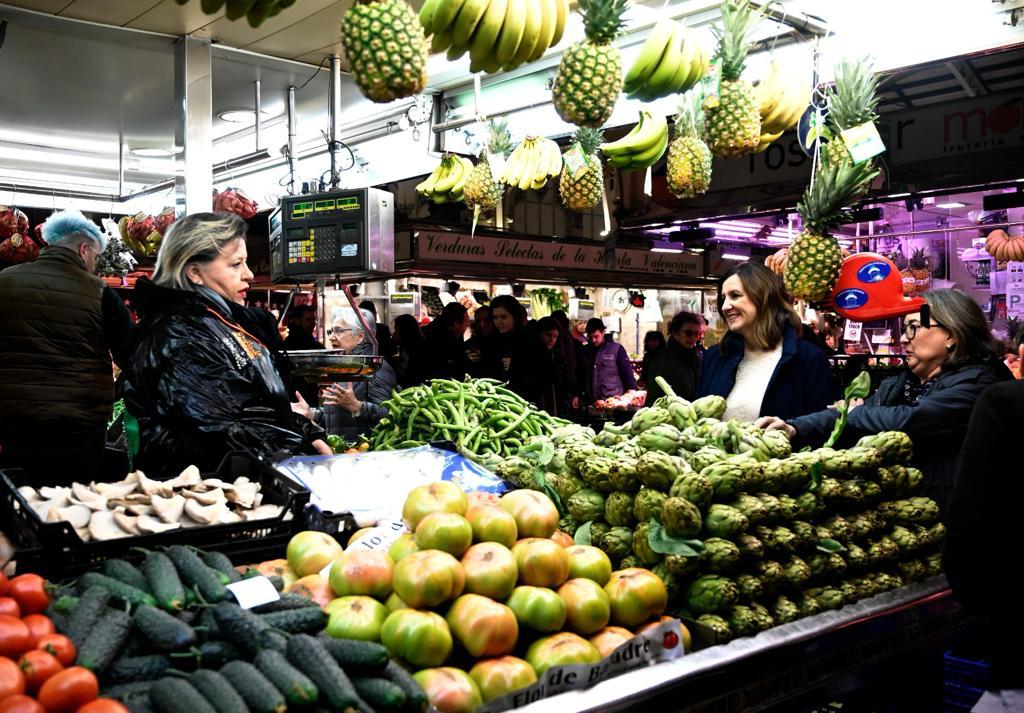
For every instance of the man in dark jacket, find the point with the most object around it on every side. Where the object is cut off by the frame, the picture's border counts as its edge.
(678, 363)
(981, 529)
(301, 323)
(60, 325)
(608, 367)
(443, 352)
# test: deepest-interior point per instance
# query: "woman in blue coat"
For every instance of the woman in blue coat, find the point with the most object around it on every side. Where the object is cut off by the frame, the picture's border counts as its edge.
(761, 366)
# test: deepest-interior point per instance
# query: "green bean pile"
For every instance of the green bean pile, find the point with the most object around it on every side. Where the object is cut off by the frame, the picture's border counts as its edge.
(481, 416)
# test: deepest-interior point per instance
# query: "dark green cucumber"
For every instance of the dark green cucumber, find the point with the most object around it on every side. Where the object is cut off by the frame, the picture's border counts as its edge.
(91, 606)
(136, 645)
(209, 630)
(189, 616)
(176, 695)
(274, 640)
(218, 692)
(260, 694)
(104, 642)
(287, 601)
(126, 572)
(125, 691)
(298, 690)
(242, 628)
(214, 654)
(137, 668)
(309, 656)
(380, 693)
(307, 620)
(118, 589)
(358, 657)
(165, 632)
(414, 692)
(164, 582)
(194, 573)
(219, 562)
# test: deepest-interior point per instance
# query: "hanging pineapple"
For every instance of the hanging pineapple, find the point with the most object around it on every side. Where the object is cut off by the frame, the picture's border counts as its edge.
(689, 158)
(482, 192)
(582, 191)
(851, 102)
(815, 255)
(386, 49)
(920, 268)
(589, 77)
(733, 118)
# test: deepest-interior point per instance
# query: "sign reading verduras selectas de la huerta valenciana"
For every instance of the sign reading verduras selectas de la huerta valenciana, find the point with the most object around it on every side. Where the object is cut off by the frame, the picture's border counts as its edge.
(460, 247)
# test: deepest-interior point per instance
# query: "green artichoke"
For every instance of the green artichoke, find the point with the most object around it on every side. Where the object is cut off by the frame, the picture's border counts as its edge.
(710, 593)
(779, 540)
(914, 479)
(773, 508)
(796, 572)
(720, 555)
(709, 406)
(750, 587)
(627, 449)
(886, 581)
(908, 541)
(805, 533)
(773, 476)
(917, 510)
(681, 565)
(860, 526)
(742, 620)
(618, 509)
(726, 477)
(882, 551)
(617, 542)
(594, 472)
(725, 521)
(694, 487)
(659, 470)
(751, 507)
(706, 456)
(810, 505)
(932, 537)
(839, 528)
(826, 597)
(642, 546)
(629, 561)
(517, 471)
(648, 418)
(892, 480)
(587, 504)
(680, 517)
(765, 620)
(673, 584)
(723, 634)
(849, 590)
(751, 548)
(623, 474)
(826, 565)
(871, 491)
(608, 438)
(665, 438)
(771, 573)
(892, 446)
(865, 588)
(647, 504)
(851, 493)
(682, 411)
(912, 570)
(572, 433)
(565, 484)
(831, 491)
(863, 459)
(796, 473)
(753, 472)
(855, 556)
(598, 528)
(569, 524)
(933, 564)
(557, 463)
(808, 605)
(785, 610)
(578, 453)
(777, 443)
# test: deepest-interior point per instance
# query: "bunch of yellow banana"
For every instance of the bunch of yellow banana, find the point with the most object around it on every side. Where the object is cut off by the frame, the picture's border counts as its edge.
(532, 163)
(446, 183)
(498, 34)
(641, 147)
(672, 59)
(783, 96)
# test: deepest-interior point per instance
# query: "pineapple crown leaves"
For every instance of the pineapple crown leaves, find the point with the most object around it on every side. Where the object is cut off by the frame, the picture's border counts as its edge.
(603, 19)
(733, 35)
(499, 142)
(690, 119)
(853, 99)
(834, 188)
(588, 139)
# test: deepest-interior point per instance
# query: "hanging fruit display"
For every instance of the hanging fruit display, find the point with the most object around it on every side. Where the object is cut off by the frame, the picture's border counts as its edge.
(143, 233)
(16, 245)
(448, 181)
(852, 101)
(733, 116)
(689, 159)
(12, 221)
(782, 97)
(386, 49)
(1004, 247)
(231, 200)
(483, 190)
(532, 163)
(589, 77)
(641, 147)
(776, 262)
(581, 189)
(672, 59)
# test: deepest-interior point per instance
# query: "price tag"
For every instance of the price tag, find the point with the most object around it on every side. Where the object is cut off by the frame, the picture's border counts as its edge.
(712, 83)
(576, 161)
(380, 537)
(863, 142)
(497, 163)
(852, 331)
(253, 592)
(881, 336)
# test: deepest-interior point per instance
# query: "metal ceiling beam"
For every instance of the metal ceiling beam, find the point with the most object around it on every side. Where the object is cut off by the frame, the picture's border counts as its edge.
(965, 75)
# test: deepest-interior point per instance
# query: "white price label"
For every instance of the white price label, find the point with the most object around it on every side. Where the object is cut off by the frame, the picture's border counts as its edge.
(852, 331)
(253, 592)
(380, 537)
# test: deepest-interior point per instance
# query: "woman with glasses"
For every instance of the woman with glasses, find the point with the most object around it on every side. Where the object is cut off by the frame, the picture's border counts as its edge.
(951, 359)
(678, 362)
(761, 366)
(203, 384)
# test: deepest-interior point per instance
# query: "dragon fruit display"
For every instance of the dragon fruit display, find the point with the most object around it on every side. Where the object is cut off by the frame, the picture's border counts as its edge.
(234, 201)
(18, 248)
(143, 233)
(12, 222)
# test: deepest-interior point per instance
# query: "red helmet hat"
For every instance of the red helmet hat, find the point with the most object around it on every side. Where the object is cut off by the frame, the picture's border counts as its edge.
(870, 287)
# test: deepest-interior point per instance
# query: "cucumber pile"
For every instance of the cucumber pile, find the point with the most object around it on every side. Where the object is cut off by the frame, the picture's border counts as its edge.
(166, 636)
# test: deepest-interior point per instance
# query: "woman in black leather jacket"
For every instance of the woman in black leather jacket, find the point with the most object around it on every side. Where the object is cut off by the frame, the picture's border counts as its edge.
(203, 384)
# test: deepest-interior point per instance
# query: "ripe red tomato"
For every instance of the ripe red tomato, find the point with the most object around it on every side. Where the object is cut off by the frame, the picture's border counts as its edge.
(37, 667)
(103, 705)
(9, 607)
(69, 690)
(11, 681)
(60, 646)
(15, 636)
(3, 584)
(21, 704)
(30, 592)
(40, 626)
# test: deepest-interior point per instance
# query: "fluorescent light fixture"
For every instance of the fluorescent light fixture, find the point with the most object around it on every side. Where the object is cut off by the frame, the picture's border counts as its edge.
(154, 152)
(951, 204)
(723, 232)
(740, 253)
(240, 116)
(666, 246)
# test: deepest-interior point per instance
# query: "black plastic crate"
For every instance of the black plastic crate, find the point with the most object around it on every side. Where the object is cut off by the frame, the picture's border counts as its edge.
(55, 550)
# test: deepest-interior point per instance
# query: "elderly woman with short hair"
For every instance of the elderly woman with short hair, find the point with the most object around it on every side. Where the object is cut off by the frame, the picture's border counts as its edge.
(202, 384)
(951, 359)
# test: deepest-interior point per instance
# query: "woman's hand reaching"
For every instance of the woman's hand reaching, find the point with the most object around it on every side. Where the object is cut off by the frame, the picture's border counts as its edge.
(773, 423)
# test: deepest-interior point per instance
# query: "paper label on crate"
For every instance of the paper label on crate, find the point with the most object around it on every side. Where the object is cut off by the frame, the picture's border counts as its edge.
(661, 643)
(254, 592)
(863, 142)
(576, 161)
(852, 331)
(380, 537)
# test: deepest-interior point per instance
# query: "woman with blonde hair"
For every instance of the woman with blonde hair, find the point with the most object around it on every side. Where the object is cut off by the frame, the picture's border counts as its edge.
(761, 366)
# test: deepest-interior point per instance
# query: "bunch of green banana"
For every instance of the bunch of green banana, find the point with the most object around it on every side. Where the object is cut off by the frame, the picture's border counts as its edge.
(532, 163)
(446, 183)
(673, 59)
(641, 148)
(783, 96)
(498, 34)
(255, 11)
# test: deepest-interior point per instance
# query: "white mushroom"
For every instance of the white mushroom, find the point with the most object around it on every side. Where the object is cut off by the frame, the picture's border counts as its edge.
(82, 495)
(128, 523)
(188, 477)
(77, 515)
(189, 522)
(206, 515)
(103, 527)
(138, 498)
(42, 508)
(208, 498)
(83, 534)
(168, 509)
(139, 509)
(263, 512)
(29, 493)
(115, 491)
(60, 494)
(244, 494)
(228, 517)
(151, 487)
(214, 483)
(149, 525)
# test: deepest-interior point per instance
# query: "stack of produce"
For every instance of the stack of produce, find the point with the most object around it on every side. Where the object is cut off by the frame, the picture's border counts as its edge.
(481, 416)
(744, 533)
(448, 181)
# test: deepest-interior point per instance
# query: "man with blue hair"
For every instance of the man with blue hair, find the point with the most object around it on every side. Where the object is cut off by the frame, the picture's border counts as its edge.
(59, 328)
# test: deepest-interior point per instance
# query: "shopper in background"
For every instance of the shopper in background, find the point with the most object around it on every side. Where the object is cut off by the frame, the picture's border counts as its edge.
(479, 342)
(654, 342)
(443, 355)
(572, 356)
(678, 362)
(201, 384)
(951, 359)
(301, 323)
(408, 339)
(61, 325)
(981, 527)
(385, 345)
(761, 366)
(608, 371)
(516, 356)
(553, 393)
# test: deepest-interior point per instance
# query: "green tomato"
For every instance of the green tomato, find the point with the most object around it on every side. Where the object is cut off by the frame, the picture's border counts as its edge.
(356, 617)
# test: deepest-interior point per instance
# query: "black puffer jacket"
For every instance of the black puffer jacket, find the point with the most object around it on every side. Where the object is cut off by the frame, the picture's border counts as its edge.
(204, 386)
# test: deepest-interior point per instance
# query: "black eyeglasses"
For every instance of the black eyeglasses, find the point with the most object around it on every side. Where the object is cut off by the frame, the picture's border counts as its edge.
(910, 328)
(338, 331)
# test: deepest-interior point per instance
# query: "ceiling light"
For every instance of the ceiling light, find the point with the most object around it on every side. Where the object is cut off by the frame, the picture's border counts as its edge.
(241, 116)
(152, 152)
(951, 204)
(735, 252)
(666, 246)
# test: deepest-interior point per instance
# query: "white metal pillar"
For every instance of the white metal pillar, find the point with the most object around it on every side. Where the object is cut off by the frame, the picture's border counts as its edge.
(193, 95)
